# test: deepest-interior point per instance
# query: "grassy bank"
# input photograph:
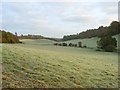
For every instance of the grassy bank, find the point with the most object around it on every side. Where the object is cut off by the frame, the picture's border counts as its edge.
(37, 63)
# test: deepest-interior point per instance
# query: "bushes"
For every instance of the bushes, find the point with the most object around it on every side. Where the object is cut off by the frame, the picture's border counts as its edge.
(84, 46)
(64, 44)
(110, 48)
(71, 44)
(75, 45)
(60, 44)
(55, 43)
(80, 44)
(107, 43)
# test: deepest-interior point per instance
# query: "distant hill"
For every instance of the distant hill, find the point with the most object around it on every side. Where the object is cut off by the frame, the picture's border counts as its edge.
(7, 37)
(31, 37)
(38, 41)
(112, 29)
(38, 37)
(54, 39)
(89, 42)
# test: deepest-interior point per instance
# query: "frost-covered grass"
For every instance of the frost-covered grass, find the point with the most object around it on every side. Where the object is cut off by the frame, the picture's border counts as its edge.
(38, 63)
(89, 42)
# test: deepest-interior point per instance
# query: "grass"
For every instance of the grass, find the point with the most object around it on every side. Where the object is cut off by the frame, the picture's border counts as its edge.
(89, 42)
(38, 63)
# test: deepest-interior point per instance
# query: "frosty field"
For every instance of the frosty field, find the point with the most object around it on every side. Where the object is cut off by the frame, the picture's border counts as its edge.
(38, 63)
(90, 42)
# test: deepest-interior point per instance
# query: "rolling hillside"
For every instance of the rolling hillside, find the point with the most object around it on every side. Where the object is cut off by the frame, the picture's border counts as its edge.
(38, 63)
(89, 42)
(38, 41)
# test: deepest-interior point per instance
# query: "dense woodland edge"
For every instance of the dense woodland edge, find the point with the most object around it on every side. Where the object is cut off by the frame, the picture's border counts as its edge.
(112, 29)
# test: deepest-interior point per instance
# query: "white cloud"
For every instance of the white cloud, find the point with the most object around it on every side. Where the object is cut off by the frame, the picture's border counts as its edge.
(56, 19)
(81, 19)
(60, 0)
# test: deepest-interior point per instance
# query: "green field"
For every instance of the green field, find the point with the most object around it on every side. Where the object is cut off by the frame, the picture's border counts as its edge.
(38, 63)
(89, 42)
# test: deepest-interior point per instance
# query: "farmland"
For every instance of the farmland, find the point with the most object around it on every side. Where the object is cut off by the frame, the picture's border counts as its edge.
(38, 63)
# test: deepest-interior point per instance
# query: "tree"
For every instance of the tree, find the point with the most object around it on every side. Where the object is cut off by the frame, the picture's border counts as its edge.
(55, 43)
(107, 43)
(75, 45)
(16, 34)
(84, 46)
(60, 44)
(112, 29)
(70, 44)
(80, 44)
(8, 37)
(64, 44)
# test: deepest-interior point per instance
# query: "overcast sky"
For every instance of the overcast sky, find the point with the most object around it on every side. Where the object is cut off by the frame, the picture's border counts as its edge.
(55, 18)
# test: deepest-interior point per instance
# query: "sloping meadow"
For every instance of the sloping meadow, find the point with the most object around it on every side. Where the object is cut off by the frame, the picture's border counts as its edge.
(39, 64)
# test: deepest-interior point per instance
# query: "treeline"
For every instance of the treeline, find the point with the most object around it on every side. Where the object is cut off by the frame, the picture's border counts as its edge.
(31, 37)
(106, 43)
(7, 37)
(54, 39)
(112, 29)
(71, 44)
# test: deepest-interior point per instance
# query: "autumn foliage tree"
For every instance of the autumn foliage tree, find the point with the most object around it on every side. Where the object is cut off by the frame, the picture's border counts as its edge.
(7, 37)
